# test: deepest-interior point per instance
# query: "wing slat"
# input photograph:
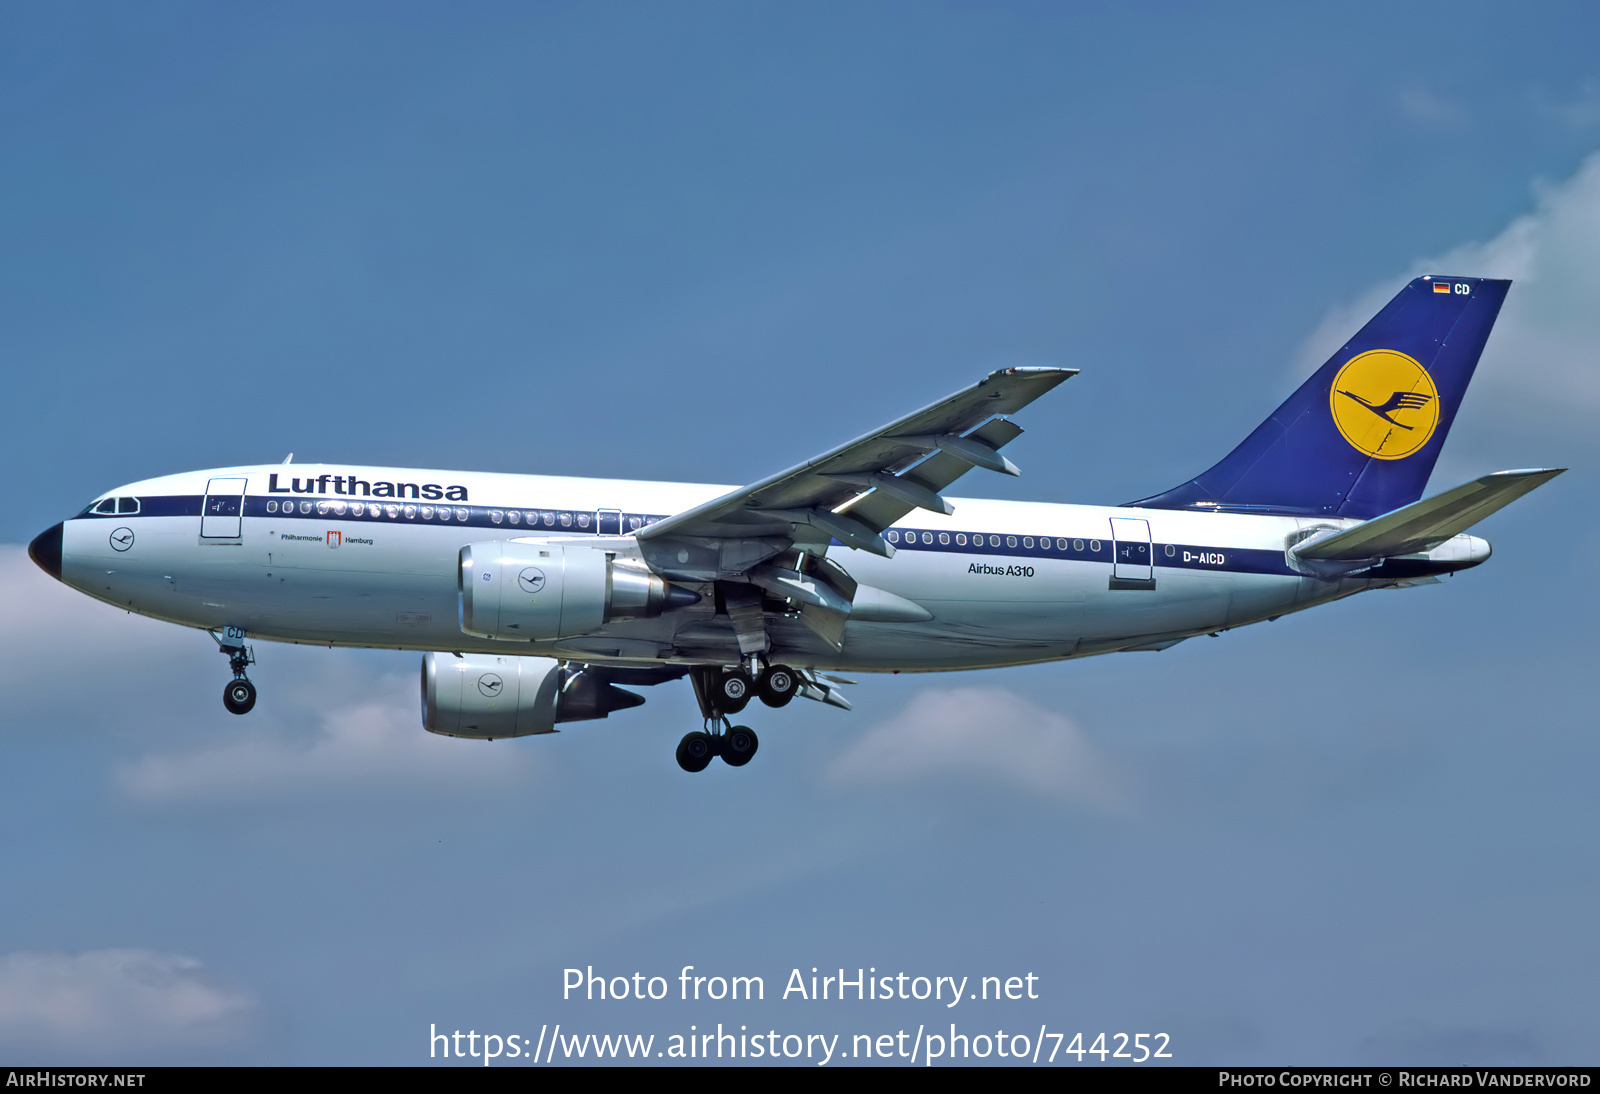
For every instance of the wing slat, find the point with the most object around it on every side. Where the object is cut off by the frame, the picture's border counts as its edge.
(962, 430)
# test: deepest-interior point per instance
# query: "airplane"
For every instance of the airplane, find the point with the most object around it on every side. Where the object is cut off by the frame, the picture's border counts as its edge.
(539, 600)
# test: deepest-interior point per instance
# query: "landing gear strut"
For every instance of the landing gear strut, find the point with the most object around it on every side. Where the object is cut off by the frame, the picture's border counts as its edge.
(721, 694)
(240, 694)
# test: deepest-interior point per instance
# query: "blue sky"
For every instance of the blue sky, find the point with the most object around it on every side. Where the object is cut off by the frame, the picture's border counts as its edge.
(702, 242)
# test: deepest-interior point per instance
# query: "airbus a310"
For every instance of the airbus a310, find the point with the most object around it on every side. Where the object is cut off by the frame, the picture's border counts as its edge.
(540, 600)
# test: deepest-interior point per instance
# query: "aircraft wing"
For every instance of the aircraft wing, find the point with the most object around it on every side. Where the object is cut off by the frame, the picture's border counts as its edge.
(1423, 525)
(853, 492)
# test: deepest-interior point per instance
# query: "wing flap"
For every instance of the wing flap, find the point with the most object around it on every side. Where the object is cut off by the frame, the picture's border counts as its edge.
(1423, 525)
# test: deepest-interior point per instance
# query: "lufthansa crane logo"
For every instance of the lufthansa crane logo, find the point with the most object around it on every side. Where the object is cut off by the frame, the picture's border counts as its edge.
(1384, 403)
(531, 579)
(490, 684)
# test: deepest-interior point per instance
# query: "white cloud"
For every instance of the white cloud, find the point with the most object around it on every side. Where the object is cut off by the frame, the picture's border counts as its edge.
(373, 745)
(1580, 110)
(1543, 359)
(47, 626)
(106, 1002)
(329, 721)
(1431, 109)
(987, 732)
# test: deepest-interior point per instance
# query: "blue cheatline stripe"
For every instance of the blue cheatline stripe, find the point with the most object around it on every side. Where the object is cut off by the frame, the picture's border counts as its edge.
(164, 505)
(386, 511)
(1180, 556)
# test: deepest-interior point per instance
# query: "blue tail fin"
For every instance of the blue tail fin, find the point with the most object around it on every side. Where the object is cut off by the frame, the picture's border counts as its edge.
(1361, 436)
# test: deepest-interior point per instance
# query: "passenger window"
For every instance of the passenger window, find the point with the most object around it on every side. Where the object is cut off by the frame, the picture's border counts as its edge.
(961, 539)
(1077, 545)
(894, 537)
(944, 537)
(927, 537)
(1171, 550)
(1011, 541)
(1027, 541)
(566, 520)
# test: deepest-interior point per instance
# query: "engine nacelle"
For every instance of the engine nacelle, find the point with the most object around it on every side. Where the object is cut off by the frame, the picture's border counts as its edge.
(533, 591)
(490, 695)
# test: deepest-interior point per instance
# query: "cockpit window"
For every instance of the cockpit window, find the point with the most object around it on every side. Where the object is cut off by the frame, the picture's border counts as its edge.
(127, 505)
(107, 506)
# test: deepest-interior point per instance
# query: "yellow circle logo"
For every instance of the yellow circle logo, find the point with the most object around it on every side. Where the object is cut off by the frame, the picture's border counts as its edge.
(1384, 404)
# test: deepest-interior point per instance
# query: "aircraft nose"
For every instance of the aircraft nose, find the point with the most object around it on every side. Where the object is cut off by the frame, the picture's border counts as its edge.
(45, 550)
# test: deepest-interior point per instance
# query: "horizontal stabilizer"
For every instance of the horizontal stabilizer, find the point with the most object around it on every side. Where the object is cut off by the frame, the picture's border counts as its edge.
(1423, 525)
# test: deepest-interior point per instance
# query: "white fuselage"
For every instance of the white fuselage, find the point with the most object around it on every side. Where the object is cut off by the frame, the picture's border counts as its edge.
(1005, 582)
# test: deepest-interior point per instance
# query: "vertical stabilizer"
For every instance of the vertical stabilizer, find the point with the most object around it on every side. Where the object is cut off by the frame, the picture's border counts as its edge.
(1361, 436)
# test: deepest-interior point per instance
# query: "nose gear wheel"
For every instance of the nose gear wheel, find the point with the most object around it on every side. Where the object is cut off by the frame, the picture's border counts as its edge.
(239, 696)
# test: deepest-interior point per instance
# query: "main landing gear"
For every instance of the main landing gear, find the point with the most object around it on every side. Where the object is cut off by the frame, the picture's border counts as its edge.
(726, 692)
(735, 744)
(240, 694)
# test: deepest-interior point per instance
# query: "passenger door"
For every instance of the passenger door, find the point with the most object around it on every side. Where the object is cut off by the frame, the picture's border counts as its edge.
(1131, 561)
(223, 508)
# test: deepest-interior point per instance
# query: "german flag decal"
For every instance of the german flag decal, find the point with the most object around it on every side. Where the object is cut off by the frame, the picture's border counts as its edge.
(1441, 286)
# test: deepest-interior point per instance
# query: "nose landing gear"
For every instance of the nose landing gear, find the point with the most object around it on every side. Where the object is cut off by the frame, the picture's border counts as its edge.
(240, 694)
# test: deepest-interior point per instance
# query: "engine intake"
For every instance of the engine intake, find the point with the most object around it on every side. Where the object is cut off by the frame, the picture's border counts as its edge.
(533, 591)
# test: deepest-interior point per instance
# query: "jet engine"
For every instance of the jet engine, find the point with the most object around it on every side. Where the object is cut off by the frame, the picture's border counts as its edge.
(490, 695)
(533, 591)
